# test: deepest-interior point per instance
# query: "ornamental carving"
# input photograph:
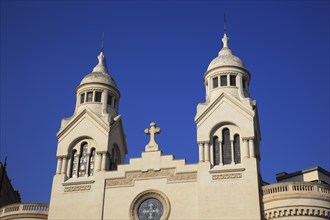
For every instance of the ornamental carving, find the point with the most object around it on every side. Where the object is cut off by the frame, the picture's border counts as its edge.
(77, 188)
(226, 176)
(170, 174)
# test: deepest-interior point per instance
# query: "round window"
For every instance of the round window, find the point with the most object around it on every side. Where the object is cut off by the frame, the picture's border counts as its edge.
(150, 205)
(150, 209)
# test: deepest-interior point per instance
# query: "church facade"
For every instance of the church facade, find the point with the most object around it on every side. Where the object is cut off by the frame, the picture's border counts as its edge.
(93, 182)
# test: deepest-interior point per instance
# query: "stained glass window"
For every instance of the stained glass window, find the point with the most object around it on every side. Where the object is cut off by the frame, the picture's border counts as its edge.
(89, 96)
(82, 98)
(75, 160)
(223, 80)
(215, 82)
(232, 80)
(150, 209)
(83, 160)
(216, 150)
(97, 97)
(226, 148)
(237, 150)
(91, 163)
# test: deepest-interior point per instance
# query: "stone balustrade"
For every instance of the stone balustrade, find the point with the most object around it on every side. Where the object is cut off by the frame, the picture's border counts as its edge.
(295, 187)
(24, 210)
(309, 199)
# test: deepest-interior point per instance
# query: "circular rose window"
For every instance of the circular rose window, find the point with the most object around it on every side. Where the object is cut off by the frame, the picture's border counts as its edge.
(150, 205)
(150, 209)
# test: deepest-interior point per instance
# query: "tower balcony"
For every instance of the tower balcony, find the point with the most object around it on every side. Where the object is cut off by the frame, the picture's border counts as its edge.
(296, 200)
(24, 211)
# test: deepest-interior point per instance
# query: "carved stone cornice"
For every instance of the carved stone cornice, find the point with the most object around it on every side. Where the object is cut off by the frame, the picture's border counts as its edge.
(203, 142)
(296, 211)
(62, 157)
(226, 176)
(169, 174)
(247, 138)
(77, 188)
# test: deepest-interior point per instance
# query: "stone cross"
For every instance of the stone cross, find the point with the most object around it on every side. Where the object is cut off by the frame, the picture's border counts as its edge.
(152, 145)
(151, 211)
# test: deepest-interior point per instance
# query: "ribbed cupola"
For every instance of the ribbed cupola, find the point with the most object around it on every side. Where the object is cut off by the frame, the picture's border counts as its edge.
(98, 92)
(226, 73)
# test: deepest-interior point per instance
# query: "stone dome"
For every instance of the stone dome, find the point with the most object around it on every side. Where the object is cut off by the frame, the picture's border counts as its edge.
(99, 77)
(226, 57)
(99, 74)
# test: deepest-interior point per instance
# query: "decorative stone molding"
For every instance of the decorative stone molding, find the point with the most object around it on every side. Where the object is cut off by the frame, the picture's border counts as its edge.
(77, 188)
(233, 170)
(247, 138)
(287, 190)
(203, 142)
(24, 211)
(296, 211)
(227, 176)
(76, 182)
(150, 194)
(91, 90)
(224, 73)
(170, 174)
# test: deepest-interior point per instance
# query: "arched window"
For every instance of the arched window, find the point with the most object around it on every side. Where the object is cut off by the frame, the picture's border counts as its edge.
(91, 162)
(216, 150)
(83, 160)
(237, 149)
(74, 163)
(226, 148)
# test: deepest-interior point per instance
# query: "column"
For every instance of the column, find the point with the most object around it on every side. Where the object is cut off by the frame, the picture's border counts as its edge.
(232, 151)
(201, 151)
(64, 164)
(251, 147)
(98, 161)
(104, 97)
(69, 166)
(59, 165)
(87, 166)
(77, 161)
(104, 160)
(212, 154)
(207, 151)
(220, 150)
(246, 147)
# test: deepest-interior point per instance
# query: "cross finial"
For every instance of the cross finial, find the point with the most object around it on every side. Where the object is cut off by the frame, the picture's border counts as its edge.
(224, 23)
(100, 57)
(152, 145)
(225, 39)
(102, 44)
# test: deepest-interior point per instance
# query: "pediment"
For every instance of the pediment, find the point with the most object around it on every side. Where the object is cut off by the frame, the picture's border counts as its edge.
(224, 101)
(85, 118)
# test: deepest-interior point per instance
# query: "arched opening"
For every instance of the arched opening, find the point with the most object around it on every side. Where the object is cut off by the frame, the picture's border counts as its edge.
(237, 149)
(216, 150)
(74, 163)
(91, 162)
(226, 148)
(83, 160)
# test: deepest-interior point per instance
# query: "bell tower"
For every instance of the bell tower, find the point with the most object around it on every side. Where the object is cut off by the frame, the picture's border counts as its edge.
(228, 138)
(227, 122)
(90, 142)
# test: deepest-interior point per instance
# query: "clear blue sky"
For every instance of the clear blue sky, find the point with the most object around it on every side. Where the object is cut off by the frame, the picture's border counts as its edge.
(158, 52)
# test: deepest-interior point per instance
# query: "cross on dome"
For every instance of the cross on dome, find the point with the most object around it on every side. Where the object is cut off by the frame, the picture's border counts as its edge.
(100, 57)
(152, 145)
(225, 39)
(101, 66)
